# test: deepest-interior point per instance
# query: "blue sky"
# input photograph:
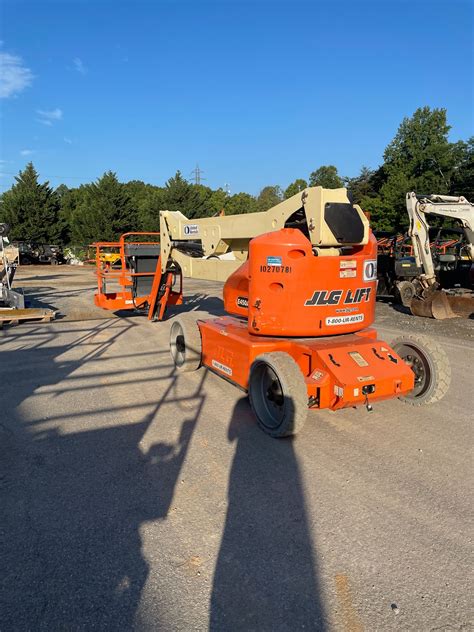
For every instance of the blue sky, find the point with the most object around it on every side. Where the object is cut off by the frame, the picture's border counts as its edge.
(256, 92)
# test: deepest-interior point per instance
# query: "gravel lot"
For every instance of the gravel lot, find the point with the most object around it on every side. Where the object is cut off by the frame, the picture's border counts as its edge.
(135, 499)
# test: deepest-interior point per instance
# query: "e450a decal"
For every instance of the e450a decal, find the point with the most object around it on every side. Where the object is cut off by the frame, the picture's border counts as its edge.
(334, 297)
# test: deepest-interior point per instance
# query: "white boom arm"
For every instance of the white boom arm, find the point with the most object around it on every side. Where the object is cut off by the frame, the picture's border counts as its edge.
(418, 206)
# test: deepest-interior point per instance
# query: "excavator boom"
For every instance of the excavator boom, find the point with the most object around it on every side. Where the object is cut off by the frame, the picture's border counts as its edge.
(430, 300)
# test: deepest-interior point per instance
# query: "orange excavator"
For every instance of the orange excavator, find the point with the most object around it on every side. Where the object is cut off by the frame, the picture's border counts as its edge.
(299, 332)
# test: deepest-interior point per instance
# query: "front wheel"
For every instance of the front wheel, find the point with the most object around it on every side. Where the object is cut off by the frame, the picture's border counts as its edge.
(278, 394)
(186, 344)
(430, 365)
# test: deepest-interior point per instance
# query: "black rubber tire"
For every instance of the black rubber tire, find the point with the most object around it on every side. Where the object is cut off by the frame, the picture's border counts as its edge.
(432, 359)
(4, 230)
(405, 291)
(186, 344)
(278, 419)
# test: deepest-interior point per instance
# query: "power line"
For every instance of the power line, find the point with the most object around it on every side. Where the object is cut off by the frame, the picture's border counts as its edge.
(197, 174)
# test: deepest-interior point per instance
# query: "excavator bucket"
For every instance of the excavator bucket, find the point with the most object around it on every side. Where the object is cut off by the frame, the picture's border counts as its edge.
(441, 305)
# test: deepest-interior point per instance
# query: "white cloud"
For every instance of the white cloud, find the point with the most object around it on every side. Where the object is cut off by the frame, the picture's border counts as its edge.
(67, 140)
(79, 65)
(52, 115)
(48, 117)
(14, 75)
(27, 152)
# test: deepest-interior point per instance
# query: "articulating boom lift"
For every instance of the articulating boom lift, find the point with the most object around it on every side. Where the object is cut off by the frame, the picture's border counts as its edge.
(299, 332)
(300, 293)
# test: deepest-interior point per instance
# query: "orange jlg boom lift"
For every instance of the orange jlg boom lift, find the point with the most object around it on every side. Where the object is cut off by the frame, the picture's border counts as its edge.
(301, 301)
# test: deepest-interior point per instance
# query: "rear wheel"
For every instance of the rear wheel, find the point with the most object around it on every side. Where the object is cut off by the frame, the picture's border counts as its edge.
(430, 365)
(278, 394)
(186, 344)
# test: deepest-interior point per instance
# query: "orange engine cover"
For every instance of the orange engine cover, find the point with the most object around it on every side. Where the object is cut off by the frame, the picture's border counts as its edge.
(293, 292)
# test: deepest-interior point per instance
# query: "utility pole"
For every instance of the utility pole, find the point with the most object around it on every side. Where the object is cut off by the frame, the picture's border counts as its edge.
(227, 189)
(197, 175)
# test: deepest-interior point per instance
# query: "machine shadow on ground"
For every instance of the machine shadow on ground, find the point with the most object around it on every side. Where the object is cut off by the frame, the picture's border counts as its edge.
(266, 573)
(48, 297)
(74, 498)
(73, 501)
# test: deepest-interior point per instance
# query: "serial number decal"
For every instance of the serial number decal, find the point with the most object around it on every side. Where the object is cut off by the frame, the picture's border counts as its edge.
(344, 320)
(280, 269)
(334, 297)
(242, 301)
(221, 367)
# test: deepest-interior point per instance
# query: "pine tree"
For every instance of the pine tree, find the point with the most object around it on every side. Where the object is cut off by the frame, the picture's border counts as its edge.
(179, 195)
(103, 212)
(32, 209)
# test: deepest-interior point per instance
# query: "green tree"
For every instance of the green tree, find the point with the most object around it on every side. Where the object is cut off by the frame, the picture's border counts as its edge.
(419, 158)
(365, 186)
(326, 176)
(180, 195)
(148, 209)
(240, 203)
(463, 177)
(32, 209)
(269, 196)
(295, 187)
(103, 211)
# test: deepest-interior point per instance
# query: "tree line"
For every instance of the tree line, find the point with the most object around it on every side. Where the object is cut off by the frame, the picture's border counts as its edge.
(419, 158)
